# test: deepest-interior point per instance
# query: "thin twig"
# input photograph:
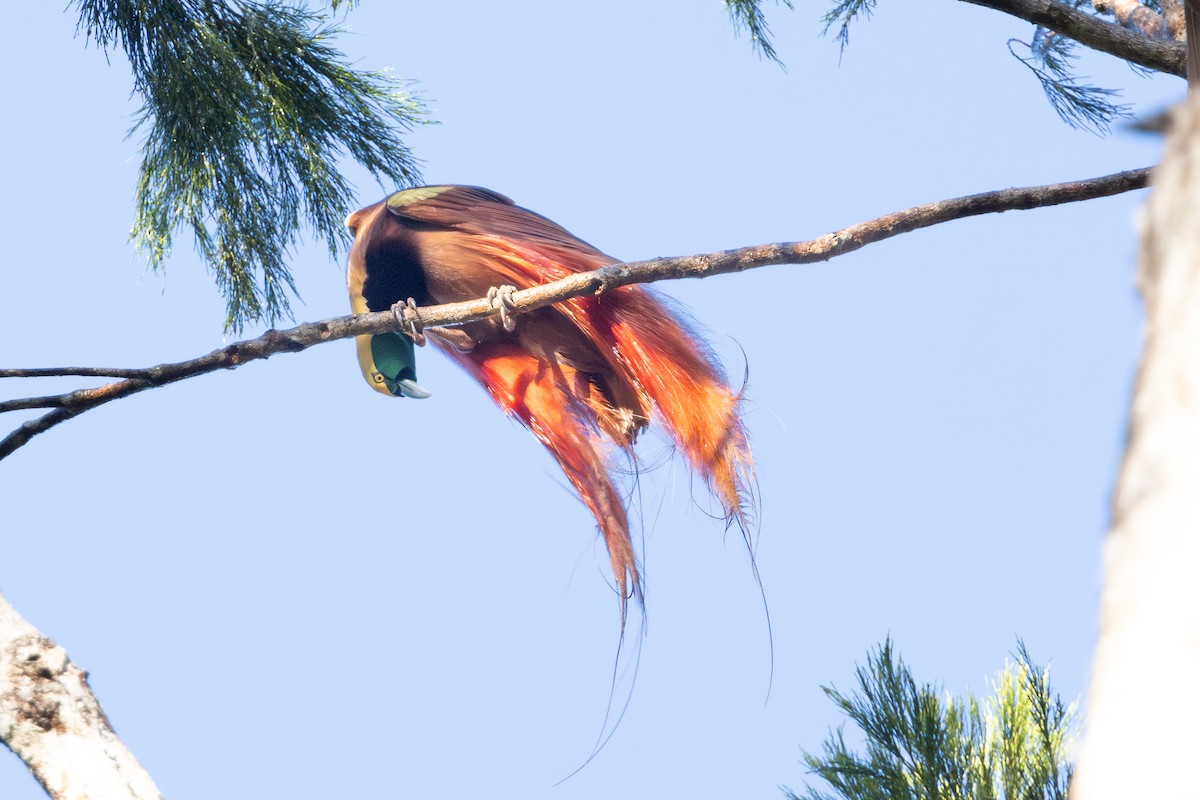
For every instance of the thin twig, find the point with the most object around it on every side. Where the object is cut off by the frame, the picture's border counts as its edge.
(301, 337)
(1089, 30)
(85, 372)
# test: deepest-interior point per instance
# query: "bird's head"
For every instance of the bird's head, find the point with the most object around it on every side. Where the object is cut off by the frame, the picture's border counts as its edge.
(388, 362)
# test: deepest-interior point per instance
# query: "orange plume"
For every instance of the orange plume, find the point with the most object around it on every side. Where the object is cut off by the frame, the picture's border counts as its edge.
(544, 399)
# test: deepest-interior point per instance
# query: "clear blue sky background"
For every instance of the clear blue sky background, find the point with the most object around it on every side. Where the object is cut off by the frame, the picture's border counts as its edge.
(285, 585)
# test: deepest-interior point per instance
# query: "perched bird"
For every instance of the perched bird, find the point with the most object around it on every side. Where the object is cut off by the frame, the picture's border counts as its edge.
(579, 375)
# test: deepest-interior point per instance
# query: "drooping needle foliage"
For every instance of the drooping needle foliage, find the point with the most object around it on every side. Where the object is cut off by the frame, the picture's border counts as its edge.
(748, 14)
(1051, 58)
(246, 109)
(922, 744)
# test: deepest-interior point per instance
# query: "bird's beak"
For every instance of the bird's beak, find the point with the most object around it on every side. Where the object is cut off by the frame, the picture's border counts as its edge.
(406, 387)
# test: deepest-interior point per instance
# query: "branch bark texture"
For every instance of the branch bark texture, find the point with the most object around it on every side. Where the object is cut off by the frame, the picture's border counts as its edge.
(1157, 54)
(847, 240)
(1141, 738)
(1132, 14)
(52, 721)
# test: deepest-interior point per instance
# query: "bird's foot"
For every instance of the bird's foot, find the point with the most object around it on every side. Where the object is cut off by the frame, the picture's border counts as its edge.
(406, 314)
(501, 298)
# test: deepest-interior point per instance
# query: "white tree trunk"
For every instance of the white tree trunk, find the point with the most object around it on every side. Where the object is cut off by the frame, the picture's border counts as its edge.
(1141, 737)
(52, 721)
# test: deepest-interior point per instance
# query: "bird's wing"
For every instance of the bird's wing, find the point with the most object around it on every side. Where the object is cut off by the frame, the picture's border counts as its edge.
(482, 212)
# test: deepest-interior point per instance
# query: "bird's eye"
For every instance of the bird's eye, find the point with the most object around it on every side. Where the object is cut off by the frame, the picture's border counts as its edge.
(377, 377)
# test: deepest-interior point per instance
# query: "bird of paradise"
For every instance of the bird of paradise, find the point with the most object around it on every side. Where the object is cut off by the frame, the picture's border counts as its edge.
(584, 376)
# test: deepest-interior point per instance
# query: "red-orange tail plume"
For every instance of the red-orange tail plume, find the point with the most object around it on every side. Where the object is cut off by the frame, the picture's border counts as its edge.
(545, 396)
(670, 366)
(656, 363)
(653, 364)
(690, 393)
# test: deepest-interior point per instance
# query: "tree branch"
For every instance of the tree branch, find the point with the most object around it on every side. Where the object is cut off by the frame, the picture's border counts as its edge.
(1089, 30)
(52, 721)
(847, 240)
(87, 372)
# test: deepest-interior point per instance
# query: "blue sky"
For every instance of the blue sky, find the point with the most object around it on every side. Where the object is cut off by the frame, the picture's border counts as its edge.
(284, 584)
